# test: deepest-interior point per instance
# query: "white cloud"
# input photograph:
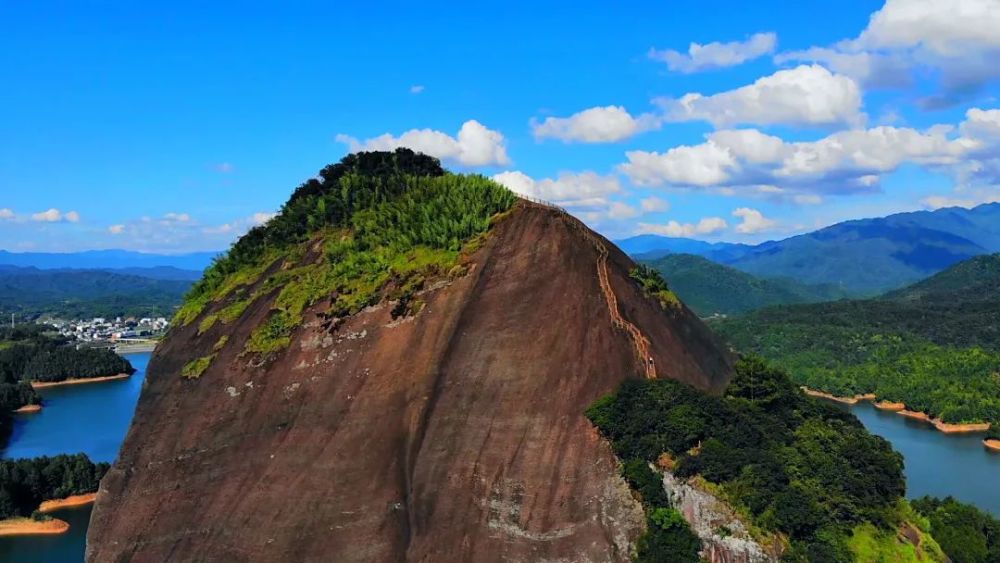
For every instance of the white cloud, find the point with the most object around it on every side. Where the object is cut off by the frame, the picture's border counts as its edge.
(963, 198)
(261, 217)
(583, 189)
(805, 95)
(705, 226)
(706, 164)
(594, 125)
(807, 199)
(475, 144)
(416, 89)
(716, 55)
(619, 210)
(653, 204)
(6, 214)
(177, 218)
(753, 221)
(55, 216)
(843, 162)
(116, 229)
(956, 39)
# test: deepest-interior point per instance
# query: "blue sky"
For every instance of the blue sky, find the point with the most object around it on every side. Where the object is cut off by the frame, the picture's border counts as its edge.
(175, 128)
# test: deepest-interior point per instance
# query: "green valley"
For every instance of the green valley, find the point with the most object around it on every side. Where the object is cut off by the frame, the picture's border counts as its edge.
(709, 288)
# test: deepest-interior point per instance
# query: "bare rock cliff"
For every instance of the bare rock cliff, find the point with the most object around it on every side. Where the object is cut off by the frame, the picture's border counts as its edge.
(456, 434)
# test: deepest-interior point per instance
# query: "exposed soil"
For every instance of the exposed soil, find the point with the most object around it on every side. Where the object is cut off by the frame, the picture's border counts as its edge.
(454, 435)
(68, 502)
(29, 527)
(28, 409)
(79, 381)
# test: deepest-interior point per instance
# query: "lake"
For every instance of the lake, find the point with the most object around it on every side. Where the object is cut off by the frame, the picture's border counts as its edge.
(938, 464)
(88, 418)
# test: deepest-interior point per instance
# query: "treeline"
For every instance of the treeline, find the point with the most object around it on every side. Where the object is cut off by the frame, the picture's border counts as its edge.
(71, 363)
(934, 346)
(965, 533)
(76, 294)
(26, 483)
(797, 466)
(387, 222)
(38, 353)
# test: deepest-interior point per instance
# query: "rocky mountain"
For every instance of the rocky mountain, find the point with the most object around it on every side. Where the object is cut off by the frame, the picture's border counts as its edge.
(397, 368)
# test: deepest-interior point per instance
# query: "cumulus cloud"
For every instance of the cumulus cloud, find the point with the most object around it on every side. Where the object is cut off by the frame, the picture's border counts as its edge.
(582, 189)
(705, 226)
(653, 204)
(716, 55)
(53, 215)
(595, 125)
(957, 39)
(262, 217)
(474, 145)
(805, 95)
(753, 221)
(849, 161)
(176, 218)
(6, 214)
(116, 229)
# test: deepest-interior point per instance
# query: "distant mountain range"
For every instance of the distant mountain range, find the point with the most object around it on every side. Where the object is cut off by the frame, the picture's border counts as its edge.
(709, 288)
(864, 257)
(107, 259)
(78, 293)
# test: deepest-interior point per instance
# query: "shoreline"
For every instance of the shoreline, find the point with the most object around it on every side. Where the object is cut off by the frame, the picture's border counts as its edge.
(78, 381)
(845, 400)
(29, 527)
(22, 526)
(68, 502)
(992, 444)
(28, 409)
(901, 410)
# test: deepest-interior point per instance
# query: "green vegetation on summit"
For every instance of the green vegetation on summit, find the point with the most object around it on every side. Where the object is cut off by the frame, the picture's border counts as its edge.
(709, 288)
(934, 346)
(376, 225)
(801, 471)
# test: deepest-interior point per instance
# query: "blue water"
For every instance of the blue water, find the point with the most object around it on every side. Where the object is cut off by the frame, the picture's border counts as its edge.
(91, 418)
(938, 464)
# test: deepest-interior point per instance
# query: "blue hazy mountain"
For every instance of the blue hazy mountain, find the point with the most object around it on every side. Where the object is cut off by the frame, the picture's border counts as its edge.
(654, 246)
(863, 257)
(107, 259)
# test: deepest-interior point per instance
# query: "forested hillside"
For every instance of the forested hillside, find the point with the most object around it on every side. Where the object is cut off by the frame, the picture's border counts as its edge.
(811, 480)
(934, 346)
(710, 288)
(74, 294)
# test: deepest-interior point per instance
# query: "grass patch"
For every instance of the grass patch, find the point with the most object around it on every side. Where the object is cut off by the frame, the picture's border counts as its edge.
(194, 368)
(220, 343)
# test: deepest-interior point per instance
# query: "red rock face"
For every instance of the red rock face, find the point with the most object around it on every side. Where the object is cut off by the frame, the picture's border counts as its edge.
(454, 435)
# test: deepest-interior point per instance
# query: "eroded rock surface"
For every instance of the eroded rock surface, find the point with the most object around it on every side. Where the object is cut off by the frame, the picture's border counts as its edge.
(457, 434)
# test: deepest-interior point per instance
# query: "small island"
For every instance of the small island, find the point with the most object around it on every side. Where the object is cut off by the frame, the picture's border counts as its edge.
(37, 356)
(30, 489)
